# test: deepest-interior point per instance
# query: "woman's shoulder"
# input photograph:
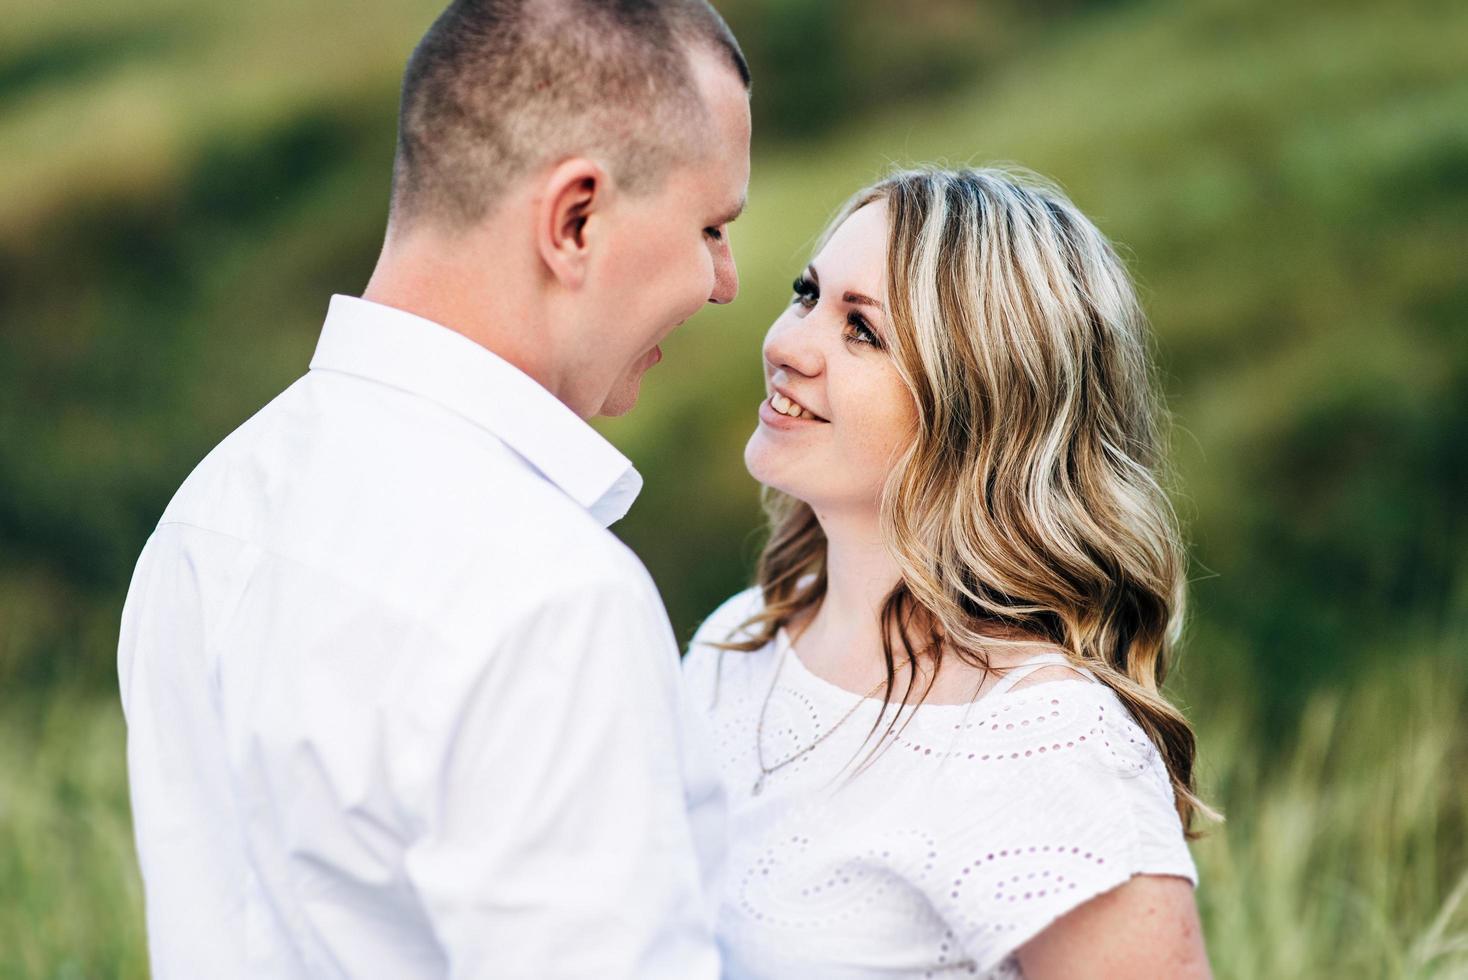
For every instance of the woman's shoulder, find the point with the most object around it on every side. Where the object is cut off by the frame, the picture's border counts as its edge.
(725, 624)
(1054, 749)
(1046, 730)
(706, 665)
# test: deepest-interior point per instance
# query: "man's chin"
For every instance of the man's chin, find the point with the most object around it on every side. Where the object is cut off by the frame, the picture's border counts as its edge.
(623, 396)
(621, 399)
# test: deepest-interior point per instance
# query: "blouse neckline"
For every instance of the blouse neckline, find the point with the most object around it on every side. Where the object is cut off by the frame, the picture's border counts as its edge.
(809, 679)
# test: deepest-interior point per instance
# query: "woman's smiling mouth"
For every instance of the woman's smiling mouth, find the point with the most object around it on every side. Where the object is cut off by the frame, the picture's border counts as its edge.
(780, 411)
(786, 404)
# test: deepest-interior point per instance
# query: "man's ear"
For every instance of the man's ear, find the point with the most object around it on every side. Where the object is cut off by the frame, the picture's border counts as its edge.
(567, 217)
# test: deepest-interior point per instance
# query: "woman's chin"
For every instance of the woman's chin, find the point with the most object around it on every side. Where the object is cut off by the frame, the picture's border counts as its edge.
(765, 466)
(762, 460)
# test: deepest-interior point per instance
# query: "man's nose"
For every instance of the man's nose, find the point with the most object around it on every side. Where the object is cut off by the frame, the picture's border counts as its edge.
(726, 278)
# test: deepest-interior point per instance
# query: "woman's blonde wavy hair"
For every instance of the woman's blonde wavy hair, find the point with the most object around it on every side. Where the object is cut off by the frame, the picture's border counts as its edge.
(1028, 508)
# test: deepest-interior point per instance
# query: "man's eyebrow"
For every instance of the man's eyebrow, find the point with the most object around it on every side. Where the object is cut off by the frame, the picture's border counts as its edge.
(859, 299)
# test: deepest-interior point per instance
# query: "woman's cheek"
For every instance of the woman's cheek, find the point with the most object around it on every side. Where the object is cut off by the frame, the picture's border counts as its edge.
(865, 444)
(886, 424)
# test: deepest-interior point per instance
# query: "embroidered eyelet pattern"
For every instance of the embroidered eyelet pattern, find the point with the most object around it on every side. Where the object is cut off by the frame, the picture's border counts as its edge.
(788, 886)
(1031, 727)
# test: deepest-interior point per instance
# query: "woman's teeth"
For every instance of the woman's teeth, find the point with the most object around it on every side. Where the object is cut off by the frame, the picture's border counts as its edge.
(785, 406)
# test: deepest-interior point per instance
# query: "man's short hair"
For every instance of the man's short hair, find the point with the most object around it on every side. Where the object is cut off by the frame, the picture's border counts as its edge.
(497, 88)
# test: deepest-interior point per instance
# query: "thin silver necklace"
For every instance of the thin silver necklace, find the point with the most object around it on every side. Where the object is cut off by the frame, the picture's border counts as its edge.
(759, 731)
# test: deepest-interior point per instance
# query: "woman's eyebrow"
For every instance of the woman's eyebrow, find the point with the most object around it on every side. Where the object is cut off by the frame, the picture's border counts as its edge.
(858, 299)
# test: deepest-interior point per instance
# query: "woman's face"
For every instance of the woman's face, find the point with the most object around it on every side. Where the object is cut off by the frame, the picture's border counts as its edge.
(837, 413)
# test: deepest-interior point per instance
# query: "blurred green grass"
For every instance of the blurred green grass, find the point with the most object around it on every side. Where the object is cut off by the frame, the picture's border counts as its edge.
(1343, 859)
(73, 905)
(185, 185)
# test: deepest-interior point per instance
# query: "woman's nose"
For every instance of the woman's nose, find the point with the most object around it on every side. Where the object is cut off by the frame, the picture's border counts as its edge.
(791, 345)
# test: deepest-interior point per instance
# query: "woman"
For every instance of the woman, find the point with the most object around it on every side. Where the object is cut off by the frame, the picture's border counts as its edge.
(938, 713)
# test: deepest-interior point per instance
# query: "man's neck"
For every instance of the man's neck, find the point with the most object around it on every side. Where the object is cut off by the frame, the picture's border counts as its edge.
(452, 287)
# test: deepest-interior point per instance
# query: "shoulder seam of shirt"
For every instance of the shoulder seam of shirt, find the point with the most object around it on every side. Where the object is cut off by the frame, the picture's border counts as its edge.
(386, 600)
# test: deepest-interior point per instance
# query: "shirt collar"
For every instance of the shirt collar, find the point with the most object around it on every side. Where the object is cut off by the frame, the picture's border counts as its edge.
(405, 351)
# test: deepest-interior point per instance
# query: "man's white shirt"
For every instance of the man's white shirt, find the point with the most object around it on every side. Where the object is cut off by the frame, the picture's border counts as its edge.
(398, 704)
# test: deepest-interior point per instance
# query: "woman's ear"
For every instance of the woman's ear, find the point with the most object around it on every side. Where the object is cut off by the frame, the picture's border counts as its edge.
(572, 200)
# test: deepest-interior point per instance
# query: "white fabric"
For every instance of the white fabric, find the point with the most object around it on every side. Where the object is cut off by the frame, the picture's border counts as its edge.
(398, 704)
(973, 830)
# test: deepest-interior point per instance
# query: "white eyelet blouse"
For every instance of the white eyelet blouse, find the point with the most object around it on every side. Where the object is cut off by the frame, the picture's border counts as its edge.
(973, 829)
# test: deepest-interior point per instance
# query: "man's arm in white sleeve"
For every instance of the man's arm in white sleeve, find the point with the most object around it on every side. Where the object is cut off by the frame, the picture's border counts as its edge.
(557, 843)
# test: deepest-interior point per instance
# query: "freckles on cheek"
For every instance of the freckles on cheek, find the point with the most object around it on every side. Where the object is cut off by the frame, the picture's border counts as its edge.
(878, 429)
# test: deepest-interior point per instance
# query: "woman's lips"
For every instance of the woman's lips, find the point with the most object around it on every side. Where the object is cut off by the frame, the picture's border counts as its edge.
(779, 420)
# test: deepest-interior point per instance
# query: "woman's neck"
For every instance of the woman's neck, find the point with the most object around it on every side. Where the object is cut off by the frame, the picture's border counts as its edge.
(843, 640)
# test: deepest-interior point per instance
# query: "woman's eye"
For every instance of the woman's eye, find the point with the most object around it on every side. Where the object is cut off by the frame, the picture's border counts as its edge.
(861, 332)
(806, 292)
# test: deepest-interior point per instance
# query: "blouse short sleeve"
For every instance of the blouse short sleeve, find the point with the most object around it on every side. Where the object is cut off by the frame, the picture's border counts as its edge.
(1060, 798)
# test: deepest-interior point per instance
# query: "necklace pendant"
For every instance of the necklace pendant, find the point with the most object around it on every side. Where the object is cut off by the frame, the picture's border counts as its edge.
(759, 785)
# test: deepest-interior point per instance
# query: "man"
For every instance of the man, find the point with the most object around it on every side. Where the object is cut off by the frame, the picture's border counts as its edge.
(399, 705)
